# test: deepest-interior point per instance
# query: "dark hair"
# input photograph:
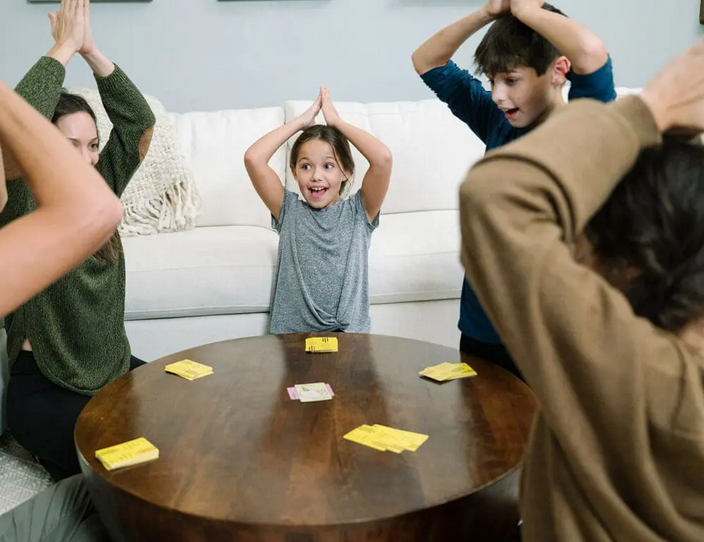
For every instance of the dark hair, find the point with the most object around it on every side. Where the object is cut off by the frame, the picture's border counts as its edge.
(72, 103)
(653, 225)
(333, 137)
(69, 104)
(510, 44)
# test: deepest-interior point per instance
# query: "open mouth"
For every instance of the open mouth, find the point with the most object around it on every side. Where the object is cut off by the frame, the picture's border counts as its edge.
(511, 113)
(317, 192)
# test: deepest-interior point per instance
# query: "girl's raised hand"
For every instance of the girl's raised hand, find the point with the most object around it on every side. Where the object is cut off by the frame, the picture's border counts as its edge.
(308, 118)
(68, 24)
(329, 112)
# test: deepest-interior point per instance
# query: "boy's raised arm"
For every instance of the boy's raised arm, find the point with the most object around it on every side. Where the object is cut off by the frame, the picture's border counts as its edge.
(440, 48)
(584, 49)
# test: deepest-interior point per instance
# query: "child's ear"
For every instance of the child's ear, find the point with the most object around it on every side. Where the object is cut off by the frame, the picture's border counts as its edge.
(559, 70)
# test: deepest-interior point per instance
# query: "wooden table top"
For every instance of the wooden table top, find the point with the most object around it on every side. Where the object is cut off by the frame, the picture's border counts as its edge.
(235, 448)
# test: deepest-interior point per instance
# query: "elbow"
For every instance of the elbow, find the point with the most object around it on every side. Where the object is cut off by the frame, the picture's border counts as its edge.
(250, 159)
(420, 62)
(104, 217)
(593, 55)
(386, 159)
(254, 161)
(416, 57)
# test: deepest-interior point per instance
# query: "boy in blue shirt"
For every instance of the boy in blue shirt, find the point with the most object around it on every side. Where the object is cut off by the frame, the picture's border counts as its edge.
(528, 54)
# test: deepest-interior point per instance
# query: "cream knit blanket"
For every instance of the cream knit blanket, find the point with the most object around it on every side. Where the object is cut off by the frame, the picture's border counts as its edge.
(162, 195)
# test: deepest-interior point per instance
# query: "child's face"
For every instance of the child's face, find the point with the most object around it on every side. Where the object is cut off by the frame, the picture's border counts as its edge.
(318, 174)
(524, 97)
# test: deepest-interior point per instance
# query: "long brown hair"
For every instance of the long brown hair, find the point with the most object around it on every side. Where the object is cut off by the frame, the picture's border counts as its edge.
(69, 104)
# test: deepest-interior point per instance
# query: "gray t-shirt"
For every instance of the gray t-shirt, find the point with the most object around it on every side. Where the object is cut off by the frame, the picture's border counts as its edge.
(322, 272)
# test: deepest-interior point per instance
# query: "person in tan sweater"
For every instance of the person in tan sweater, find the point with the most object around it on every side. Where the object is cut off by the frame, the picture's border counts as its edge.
(612, 344)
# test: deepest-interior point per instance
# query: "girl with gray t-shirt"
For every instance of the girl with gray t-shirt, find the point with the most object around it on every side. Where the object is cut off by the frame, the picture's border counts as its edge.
(322, 272)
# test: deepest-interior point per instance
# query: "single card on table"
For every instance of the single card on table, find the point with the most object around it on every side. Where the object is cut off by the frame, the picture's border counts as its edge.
(293, 394)
(132, 452)
(321, 344)
(190, 370)
(308, 393)
(448, 371)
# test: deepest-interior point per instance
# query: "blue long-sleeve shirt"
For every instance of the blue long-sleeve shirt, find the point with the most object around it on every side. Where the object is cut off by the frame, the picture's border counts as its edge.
(470, 102)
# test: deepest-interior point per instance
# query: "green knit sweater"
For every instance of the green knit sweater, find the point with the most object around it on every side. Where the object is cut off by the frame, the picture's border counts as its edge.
(76, 326)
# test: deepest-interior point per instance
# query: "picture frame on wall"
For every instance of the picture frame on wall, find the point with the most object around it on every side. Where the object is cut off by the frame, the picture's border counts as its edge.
(92, 1)
(701, 13)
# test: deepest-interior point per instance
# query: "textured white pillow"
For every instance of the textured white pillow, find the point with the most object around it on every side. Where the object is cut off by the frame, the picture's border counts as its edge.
(162, 195)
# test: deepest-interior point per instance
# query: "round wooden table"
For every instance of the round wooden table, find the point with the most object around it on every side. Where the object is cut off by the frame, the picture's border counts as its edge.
(240, 461)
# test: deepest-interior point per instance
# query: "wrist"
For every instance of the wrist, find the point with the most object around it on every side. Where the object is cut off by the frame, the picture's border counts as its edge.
(524, 12)
(91, 55)
(488, 15)
(89, 52)
(658, 111)
(99, 63)
(63, 52)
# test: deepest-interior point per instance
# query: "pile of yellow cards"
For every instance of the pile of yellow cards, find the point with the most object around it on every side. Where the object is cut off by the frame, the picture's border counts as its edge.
(128, 453)
(190, 370)
(448, 371)
(383, 438)
(321, 344)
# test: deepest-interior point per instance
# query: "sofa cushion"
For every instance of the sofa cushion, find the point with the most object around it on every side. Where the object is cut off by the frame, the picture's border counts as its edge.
(229, 269)
(415, 257)
(214, 145)
(205, 271)
(432, 150)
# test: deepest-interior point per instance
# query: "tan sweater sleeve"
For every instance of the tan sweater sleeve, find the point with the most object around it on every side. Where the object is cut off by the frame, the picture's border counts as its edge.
(574, 337)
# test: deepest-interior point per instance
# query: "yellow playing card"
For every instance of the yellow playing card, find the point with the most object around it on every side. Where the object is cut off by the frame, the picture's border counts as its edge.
(190, 370)
(405, 439)
(448, 371)
(384, 438)
(321, 344)
(366, 436)
(437, 372)
(128, 453)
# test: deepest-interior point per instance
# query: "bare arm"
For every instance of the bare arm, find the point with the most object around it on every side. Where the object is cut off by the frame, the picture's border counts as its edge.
(439, 49)
(256, 160)
(68, 30)
(579, 44)
(98, 62)
(376, 181)
(76, 211)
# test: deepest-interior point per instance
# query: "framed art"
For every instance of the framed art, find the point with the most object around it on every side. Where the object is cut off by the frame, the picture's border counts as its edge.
(701, 13)
(92, 1)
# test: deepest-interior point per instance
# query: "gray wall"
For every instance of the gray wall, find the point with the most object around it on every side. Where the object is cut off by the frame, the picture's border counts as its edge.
(207, 55)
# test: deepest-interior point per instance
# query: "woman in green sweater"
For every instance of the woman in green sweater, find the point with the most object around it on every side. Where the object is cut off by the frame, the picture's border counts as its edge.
(69, 341)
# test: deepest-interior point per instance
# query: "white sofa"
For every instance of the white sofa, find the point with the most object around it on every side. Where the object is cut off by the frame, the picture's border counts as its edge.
(214, 282)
